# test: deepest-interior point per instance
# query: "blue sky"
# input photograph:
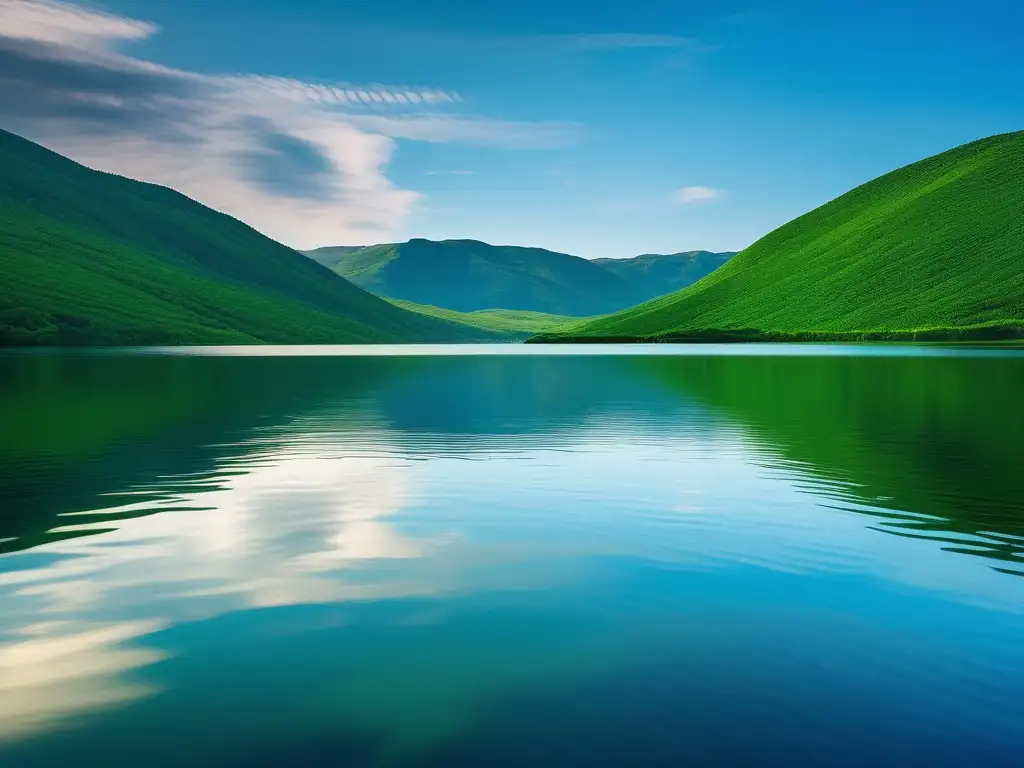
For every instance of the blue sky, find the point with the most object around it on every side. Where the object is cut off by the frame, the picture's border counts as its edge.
(601, 129)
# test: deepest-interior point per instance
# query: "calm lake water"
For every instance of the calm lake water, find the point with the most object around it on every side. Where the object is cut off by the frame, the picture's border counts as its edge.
(512, 556)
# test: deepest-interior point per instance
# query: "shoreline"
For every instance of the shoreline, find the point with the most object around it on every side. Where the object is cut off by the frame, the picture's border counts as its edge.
(1003, 333)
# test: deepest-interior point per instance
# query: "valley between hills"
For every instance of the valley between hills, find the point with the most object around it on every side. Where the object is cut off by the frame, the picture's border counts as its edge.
(932, 251)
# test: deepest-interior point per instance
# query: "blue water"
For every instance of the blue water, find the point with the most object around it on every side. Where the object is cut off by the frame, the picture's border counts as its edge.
(656, 555)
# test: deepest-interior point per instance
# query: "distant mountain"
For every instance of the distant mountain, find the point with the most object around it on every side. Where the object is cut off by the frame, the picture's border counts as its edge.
(655, 274)
(468, 275)
(92, 258)
(932, 250)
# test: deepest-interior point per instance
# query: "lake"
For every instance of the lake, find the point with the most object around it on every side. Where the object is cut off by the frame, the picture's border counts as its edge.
(512, 555)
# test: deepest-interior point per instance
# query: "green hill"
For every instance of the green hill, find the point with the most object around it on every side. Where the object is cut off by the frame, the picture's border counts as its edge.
(467, 276)
(93, 258)
(506, 324)
(933, 250)
(655, 274)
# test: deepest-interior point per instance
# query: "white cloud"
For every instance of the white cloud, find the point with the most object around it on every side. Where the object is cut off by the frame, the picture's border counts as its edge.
(47, 21)
(302, 162)
(696, 194)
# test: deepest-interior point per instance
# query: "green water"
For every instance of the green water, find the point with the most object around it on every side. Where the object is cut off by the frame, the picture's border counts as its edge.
(512, 555)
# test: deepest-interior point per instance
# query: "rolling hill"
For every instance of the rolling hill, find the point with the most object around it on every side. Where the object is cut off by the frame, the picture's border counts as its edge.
(932, 250)
(467, 276)
(504, 324)
(92, 258)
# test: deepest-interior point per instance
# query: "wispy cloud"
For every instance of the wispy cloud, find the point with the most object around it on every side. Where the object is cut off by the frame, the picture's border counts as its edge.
(303, 162)
(669, 52)
(696, 194)
(442, 128)
(374, 96)
(686, 195)
(48, 21)
(476, 44)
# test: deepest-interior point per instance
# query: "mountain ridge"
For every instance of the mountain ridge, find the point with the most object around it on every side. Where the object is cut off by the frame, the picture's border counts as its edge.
(659, 273)
(470, 275)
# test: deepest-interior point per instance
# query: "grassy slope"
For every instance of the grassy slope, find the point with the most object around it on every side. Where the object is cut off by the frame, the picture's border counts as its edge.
(93, 258)
(937, 245)
(507, 323)
(467, 275)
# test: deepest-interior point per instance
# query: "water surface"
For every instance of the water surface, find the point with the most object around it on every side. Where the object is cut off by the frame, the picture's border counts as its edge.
(648, 555)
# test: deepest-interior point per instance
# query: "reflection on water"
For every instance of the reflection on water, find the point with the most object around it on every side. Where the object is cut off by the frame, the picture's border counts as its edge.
(500, 559)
